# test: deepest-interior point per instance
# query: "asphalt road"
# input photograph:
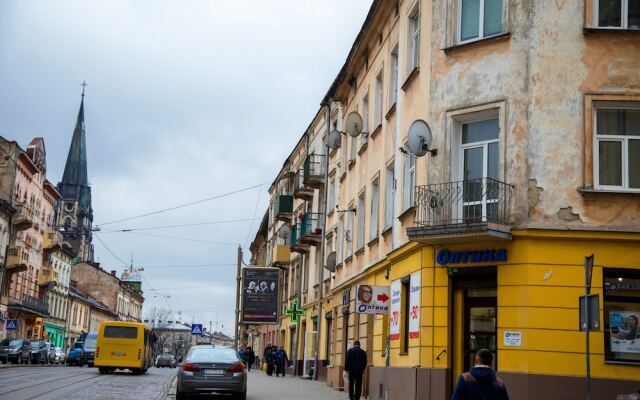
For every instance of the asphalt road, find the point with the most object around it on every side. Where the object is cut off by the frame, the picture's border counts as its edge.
(60, 382)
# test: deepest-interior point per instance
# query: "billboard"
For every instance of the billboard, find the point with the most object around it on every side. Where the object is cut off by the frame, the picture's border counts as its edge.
(372, 299)
(260, 294)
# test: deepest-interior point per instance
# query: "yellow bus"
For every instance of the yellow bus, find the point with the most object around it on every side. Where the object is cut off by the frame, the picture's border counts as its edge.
(124, 345)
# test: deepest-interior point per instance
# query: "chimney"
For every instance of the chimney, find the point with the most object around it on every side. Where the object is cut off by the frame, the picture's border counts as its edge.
(113, 272)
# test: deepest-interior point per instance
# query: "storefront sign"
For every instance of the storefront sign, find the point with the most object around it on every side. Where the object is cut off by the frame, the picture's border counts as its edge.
(372, 299)
(414, 304)
(394, 319)
(445, 257)
(513, 338)
(260, 295)
(623, 331)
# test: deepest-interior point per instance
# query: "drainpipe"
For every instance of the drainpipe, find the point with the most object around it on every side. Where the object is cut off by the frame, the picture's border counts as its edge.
(323, 211)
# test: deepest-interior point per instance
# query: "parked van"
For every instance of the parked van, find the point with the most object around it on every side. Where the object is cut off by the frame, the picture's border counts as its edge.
(88, 349)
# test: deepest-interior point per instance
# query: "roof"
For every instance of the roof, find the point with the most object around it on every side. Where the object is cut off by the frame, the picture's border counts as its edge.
(79, 294)
(75, 170)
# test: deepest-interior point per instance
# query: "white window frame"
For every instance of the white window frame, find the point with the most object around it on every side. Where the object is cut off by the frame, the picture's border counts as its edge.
(349, 247)
(361, 213)
(624, 20)
(389, 197)
(480, 25)
(378, 98)
(394, 77)
(331, 196)
(364, 135)
(408, 181)
(624, 139)
(413, 55)
(375, 208)
(340, 239)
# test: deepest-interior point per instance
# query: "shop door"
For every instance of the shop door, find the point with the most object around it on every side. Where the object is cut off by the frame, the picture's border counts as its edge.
(480, 324)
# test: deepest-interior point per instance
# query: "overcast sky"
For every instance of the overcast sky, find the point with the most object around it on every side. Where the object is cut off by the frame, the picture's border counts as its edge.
(185, 100)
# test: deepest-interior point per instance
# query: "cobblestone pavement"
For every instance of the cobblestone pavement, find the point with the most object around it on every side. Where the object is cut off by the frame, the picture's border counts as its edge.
(263, 387)
(60, 382)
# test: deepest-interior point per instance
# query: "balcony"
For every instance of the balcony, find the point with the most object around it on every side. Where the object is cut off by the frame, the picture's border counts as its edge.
(28, 305)
(23, 218)
(465, 211)
(283, 207)
(17, 259)
(300, 190)
(52, 240)
(314, 171)
(310, 230)
(281, 254)
(46, 276)
(296, 245)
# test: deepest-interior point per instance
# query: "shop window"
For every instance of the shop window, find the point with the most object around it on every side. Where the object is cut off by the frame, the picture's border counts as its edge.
(620, 14)
(617, 147)
(621, 315)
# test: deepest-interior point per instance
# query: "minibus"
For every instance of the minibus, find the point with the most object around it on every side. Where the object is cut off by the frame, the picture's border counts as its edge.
(124, 345)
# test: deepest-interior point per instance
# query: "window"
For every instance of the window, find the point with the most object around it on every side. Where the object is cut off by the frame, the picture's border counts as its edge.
(120, 332)
(377, 116)
(414, 40)
(352, 149)
(389, 197)
(365, 121)
(393, 78)
(617, 148)
(331, 196)
(329, 341)
(375, 194)
(404, 327)
(621, 314)
(623, 14)
(479, 19)
(360, 213)
(349, 233)
(340, 239)
(409, 180)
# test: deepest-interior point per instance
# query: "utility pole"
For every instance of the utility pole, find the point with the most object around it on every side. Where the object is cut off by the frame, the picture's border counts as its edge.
(323, 212)
(238, 292)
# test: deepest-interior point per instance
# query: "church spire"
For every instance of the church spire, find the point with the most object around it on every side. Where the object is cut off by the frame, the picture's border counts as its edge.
(75, 171)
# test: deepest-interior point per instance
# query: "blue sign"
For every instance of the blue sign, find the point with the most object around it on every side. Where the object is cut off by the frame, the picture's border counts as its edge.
(196, 329)
(12, 325)
(445, 257)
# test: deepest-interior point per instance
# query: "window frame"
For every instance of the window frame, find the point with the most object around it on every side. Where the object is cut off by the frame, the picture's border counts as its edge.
(361, 222)
(389, 194)
(624, 16)
(408, 178)
(378, 99)
(413, 39)
(394, 75)
(374, 210)
(481, 35)
(607, 299)
(624, 139)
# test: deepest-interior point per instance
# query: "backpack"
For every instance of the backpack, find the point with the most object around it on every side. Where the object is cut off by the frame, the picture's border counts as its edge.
(483, 388)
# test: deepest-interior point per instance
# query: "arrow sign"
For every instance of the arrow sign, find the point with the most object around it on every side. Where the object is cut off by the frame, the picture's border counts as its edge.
(12, 324)
(382, 297)
(196, 329)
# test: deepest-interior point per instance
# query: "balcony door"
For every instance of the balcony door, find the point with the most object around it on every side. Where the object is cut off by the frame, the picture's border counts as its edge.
(480, 159)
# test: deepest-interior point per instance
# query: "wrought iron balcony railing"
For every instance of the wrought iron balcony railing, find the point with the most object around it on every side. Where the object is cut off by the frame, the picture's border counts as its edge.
(28, 302)
(311, 225)
(471, 202)
(314, 170)
(300, 189)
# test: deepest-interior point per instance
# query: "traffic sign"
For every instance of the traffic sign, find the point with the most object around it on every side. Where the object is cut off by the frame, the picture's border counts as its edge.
(196, 329)
(12, 325)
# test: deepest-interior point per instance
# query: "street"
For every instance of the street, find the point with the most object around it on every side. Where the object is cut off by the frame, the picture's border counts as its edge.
(58, 382)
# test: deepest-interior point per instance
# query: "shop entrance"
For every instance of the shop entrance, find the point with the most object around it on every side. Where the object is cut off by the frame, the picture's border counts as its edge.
(474, 315)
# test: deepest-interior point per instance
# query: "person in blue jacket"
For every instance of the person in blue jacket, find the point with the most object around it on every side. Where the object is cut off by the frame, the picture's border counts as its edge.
(480, 382)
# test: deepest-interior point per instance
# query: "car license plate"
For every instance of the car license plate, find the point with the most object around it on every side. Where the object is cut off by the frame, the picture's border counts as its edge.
(118, 353)
(214, 372)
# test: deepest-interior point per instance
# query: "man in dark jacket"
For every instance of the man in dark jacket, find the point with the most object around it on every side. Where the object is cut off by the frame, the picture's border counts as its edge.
(355, 363)
(480, 382)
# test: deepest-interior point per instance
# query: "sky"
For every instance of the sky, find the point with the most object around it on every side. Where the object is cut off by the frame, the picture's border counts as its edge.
(186, 100)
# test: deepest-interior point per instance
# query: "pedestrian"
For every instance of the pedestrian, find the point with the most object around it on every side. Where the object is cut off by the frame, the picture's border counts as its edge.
(481, 381)
(281, 360)
(355, 364)
(268, 358)
(243, 355)
(251, 357)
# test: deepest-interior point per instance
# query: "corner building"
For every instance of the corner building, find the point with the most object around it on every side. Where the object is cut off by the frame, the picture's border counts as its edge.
(534, 111)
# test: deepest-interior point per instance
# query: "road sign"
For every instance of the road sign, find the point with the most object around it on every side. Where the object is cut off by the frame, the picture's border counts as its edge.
(12, 325)
(594, 313)
(196, 329)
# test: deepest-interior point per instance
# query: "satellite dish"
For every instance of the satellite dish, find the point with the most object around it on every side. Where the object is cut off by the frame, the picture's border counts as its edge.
(354, 124)
(331, 261)
(419, 139)
(334, 140)
(284, 232)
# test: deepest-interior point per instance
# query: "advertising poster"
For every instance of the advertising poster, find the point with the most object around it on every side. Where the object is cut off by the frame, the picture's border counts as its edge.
(394, 317)
(260, 295)
(372, 299)
(623, 329)
(414, 305)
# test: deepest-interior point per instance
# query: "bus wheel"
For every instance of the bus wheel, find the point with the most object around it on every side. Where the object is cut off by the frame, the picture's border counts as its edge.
(136, 371)
(103, 370)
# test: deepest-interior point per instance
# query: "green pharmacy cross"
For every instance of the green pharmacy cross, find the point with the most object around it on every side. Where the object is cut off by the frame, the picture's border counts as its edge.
(294, 312)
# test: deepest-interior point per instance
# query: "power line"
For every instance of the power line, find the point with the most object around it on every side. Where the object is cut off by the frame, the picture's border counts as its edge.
(109, 250)
(197, 287)
(182, 205)
(179, 226)
(181, 238)
(255, 211)
(186, 266)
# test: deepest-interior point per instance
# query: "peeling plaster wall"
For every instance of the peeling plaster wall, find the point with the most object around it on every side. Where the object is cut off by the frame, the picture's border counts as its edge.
(542, 72)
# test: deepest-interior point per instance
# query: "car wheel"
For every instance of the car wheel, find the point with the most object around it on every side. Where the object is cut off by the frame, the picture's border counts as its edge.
(181, 396)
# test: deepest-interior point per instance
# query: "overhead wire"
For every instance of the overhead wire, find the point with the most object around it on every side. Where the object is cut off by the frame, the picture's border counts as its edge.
(179, 226)
(182, 238)
(187, 266)
(255, 211)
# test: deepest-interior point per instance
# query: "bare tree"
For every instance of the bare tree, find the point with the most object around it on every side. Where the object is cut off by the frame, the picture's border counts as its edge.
(158, 319)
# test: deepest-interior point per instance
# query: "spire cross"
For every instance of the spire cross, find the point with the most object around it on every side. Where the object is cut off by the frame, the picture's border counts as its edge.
(84, 83)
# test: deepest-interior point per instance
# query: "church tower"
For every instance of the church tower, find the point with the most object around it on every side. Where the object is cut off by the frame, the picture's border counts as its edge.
(74, 213)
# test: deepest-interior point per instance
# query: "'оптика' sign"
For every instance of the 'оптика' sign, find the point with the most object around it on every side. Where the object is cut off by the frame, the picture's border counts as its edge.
(445, 257)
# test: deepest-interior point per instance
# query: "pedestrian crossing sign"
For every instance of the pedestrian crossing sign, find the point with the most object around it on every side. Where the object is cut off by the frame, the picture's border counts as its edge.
(12, 325)
(196, 329)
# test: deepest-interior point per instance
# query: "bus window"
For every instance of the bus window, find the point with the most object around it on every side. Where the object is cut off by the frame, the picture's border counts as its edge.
(120, 332)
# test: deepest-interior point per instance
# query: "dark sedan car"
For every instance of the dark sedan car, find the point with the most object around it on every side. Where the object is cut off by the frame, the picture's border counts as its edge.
(15, 350)
(165, 360)
(39, 352)
(209, 369)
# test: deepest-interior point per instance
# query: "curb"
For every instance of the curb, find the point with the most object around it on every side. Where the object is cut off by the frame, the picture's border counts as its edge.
(169, 390)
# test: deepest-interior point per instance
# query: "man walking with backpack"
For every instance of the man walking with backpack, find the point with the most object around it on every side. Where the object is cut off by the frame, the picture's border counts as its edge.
(355, 364)
(480, 382)
(281, 360)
